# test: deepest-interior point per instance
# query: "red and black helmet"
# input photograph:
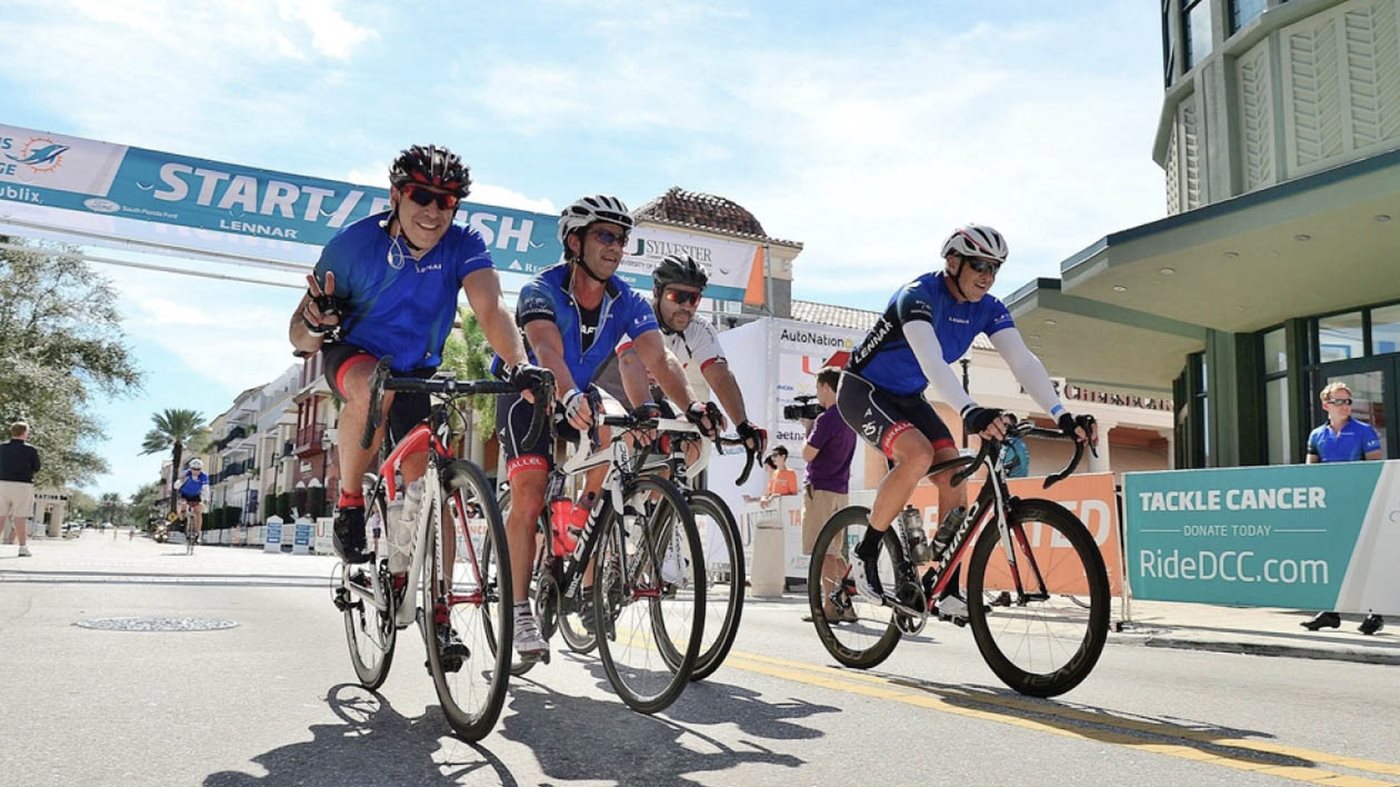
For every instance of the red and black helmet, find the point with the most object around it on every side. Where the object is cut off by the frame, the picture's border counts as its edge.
(431, 165)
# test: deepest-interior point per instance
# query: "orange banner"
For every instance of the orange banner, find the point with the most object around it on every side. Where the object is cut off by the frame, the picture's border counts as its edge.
(1089, 496)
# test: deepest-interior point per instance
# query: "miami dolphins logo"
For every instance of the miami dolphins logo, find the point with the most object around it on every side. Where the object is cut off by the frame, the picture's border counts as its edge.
(40, 154)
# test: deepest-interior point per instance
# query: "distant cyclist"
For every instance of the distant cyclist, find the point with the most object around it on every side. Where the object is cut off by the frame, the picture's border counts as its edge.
(388, 285)
(930, 323)
(678, 284)
(573, 316)
(193, 490)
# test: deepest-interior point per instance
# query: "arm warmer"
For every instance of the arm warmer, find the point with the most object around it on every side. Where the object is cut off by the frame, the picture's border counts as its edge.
(1029, 371)
(924, 342)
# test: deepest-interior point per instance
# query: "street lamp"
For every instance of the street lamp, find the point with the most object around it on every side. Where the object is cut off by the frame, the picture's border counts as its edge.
(325, 468)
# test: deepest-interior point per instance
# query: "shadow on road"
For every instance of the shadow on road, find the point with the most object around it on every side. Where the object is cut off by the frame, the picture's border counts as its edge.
(567, 734)
(373, 745)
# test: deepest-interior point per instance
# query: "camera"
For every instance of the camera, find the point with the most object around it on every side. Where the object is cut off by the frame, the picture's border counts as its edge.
(807, 408)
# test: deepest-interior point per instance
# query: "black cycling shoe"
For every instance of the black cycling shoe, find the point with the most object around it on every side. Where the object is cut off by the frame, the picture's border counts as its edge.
(1371, 624)
(451, 650)
(1328, 620)
(348, 535)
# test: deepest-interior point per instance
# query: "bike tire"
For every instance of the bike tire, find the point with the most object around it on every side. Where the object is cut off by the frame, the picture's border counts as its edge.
(370, 633)
(630, 601)
(472, 694)
(724, 600)
(1020, 637)
(872, 637)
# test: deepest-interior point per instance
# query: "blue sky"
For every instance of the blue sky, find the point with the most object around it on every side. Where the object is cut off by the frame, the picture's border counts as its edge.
(864, 130)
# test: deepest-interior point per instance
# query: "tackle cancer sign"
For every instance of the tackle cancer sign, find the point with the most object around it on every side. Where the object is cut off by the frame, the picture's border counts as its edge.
(1322, 536)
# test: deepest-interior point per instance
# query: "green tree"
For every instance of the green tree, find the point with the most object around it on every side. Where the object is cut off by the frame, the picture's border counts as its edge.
(81, 506)
(60, 342)
(142, 503)
(469, 354)
(175, 430)
(111, 507)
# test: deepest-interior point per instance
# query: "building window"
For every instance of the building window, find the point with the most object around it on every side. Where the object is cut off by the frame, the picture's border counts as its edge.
(1168, 44)
(1340, 337)
(1278, 432)
(1385, 330)
(1195, 27)
(1242, 12)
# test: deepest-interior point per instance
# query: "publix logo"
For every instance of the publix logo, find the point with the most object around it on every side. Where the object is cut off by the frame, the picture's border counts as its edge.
(40, 154)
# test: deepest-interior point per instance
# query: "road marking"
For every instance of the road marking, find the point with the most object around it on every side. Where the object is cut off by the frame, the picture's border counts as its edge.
(1237, 753)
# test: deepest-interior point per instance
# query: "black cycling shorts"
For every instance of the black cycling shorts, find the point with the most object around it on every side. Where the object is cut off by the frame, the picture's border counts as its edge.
(513, 416)
(879, 416)
(407, 410)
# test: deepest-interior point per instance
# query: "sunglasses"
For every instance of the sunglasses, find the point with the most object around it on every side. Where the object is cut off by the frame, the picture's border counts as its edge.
(1340, 402)
(983, 266)
(682, 297)
(608, 237)
(424, 197)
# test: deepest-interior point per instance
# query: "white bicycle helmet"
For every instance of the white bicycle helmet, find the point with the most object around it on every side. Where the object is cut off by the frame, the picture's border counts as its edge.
(976, 240)
(195, 464)
(587, 210)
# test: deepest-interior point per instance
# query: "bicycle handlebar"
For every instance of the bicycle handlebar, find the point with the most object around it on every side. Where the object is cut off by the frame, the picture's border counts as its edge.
(685, 430)
(447, 387)
(1023, 428)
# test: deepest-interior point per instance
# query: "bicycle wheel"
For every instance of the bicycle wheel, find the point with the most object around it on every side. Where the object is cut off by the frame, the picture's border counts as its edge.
(1042, 623)
(864, 633)
(724, 573)
(467, 627)
(648, 627)
(370, 632)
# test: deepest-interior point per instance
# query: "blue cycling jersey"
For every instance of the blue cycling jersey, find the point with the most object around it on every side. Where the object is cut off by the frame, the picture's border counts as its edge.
(884, 357)
(1352, 442)
(397, 305)
(191, 485)
(623, 311)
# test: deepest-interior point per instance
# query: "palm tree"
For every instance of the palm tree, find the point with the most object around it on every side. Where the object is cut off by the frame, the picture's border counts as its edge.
(111, 506)
(175, 430)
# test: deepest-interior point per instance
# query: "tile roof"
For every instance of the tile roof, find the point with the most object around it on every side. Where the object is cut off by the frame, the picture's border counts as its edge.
(704, 211)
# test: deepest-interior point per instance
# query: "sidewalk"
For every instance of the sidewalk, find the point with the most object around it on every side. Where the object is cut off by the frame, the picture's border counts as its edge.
(1268, 631)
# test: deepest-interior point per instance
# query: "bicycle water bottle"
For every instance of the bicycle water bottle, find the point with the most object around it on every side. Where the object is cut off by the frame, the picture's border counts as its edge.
(912, 523)
(950, 525)
(402, 511)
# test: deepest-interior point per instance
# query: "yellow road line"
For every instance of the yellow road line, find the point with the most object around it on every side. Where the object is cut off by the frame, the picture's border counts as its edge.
(1070, 722)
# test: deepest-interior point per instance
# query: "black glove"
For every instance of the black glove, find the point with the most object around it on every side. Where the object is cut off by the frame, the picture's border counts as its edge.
(700, 412)
(328, 306)
(1068, 423)
(755, 439)
(526, 376)
(647, 411)
(976, 419)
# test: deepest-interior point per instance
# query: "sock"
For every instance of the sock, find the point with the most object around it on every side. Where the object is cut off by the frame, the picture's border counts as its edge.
(349, 500)
(869, 546)
(522, 610)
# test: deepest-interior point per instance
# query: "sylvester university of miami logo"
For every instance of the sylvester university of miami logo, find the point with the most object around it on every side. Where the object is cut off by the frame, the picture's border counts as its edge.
(40, 154)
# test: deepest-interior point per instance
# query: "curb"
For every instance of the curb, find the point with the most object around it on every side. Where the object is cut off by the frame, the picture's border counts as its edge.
(1388, 657)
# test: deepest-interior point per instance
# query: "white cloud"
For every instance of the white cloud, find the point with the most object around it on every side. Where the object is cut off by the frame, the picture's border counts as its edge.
(332, 34)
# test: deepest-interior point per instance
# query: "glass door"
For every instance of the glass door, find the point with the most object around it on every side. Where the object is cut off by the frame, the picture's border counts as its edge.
(1375, 400)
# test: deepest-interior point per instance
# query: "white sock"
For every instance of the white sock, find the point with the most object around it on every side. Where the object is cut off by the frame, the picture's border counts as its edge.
(522, 609)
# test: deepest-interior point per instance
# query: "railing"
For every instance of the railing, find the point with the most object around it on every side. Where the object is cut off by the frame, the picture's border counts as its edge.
(308, 442)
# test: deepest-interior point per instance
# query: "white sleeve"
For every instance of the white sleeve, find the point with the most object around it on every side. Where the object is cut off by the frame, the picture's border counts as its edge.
(1029, 371)
(924, 342)
(703, 343)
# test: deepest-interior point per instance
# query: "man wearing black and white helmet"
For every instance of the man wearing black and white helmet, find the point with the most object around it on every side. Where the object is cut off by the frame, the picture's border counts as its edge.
(930, 323)
(573, 315)
(677, 284)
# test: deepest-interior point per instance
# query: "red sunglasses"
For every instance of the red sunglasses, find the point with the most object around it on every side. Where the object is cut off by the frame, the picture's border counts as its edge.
(422, 196)
(682, 297)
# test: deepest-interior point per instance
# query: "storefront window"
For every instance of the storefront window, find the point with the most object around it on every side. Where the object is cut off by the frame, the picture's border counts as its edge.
(1385, 330)
(1280, 435)
(1339, 337)
(1275, 352)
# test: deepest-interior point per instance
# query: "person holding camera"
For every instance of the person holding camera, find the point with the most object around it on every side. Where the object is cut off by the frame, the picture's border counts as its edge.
(828, 451)
(930, 323)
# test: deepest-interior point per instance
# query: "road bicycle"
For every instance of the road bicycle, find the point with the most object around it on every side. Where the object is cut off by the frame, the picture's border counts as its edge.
(453, 552)
(1037, 590)
(642, 547)
(724, 570)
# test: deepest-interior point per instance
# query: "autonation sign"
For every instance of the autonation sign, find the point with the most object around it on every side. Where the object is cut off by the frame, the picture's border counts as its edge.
(1324, 536)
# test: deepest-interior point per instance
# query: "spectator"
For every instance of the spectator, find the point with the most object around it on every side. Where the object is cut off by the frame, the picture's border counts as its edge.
(18, 464)
(781, 480)
(1017, 457)
(1342, 439)
(830, 446)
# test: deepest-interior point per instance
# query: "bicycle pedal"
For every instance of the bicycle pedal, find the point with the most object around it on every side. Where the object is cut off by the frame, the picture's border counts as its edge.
(956, 620)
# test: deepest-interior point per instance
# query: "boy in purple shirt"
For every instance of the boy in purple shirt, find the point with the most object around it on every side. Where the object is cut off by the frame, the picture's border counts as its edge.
(830, 446)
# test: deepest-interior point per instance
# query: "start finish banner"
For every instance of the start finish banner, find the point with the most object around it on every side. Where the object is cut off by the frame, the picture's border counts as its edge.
(1322, 536)
(85, 188)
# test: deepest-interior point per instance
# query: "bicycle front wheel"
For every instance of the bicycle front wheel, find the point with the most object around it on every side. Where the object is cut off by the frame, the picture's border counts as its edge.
(856, 631)
(467, 626)
(1039, 606)
(648, 618)
(723, 574)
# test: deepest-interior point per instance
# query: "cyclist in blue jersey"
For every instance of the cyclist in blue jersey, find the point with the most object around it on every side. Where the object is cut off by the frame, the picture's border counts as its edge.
(573, 316)
(388, 285)
(193, 490)
(930, 323)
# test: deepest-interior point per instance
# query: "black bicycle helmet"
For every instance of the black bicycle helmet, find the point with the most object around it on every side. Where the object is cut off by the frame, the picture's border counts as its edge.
(431, 165)
(679, 269)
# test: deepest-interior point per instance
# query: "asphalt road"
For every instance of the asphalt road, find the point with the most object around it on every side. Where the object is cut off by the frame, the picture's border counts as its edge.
(272, 701)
